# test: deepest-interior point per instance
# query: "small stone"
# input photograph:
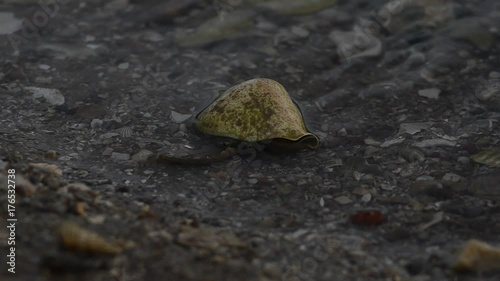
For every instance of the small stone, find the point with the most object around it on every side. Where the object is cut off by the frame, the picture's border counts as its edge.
(366, 198)
(39, 80)
(163, 234)
(487, 92)
(61, 51)
(284, 189)
(52, 96)
(50, 168)
(9, 24)
(432, 93)
(300, 31)
(494, 75)
(44, 66)
(123, 65)
(390, 142)
(107, 136)
(343, 200)
(50, 154)
(387, 187)
(435, 142)
(253, 181)
(97, 219)
(477, 256)
(301, 182)
(182, 128)
(342, 132)
(463, 160)
(107, 151)
(179, 117)
(152, 36)
(451, 177)
(80, 208)
(96, 123)
(142, 156)
(89, 38)
(413, 128)
(120, 156)
(349, 46)
(425, 178)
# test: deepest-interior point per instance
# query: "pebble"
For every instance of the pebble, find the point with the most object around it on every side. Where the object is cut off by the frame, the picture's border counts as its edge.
(391, 142)
(413, 128)
(123, 65)
(432, 93)
(9, 23)
(107, 151)
(435, 142)
(52, 96)
(108, 135)
(62, 51)
(300, 31)
(349, 46)
(89, 38)
(142, 156)
(179, 117)
(253, 181)
(488, 91)
(44, 66)
(494, 75)
(451, 177)
(120, 156)
(366, 197)
(343, 200)
(96, 123)
(50, 154)
(463, 160)
(153, 36)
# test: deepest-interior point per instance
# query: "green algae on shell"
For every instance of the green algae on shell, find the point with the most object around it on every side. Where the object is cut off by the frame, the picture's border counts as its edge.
(257, 110)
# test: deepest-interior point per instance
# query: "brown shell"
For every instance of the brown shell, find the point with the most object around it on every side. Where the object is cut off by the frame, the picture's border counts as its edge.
(256, 110)
(79, 239)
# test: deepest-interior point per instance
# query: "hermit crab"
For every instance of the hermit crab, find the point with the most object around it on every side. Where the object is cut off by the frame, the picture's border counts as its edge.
(257, 111)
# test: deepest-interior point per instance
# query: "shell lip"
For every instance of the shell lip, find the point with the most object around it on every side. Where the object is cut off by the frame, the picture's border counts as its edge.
(307, 141)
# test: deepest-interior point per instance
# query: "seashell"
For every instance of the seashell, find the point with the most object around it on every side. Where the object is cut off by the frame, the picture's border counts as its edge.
(477, 256)
(413, 155)
(125, 132)
(257, 110)
(79, 239)
(49, 168)
(490, 157)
